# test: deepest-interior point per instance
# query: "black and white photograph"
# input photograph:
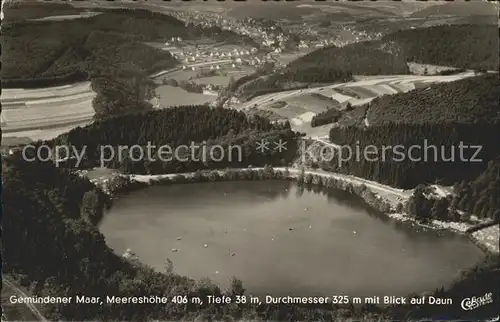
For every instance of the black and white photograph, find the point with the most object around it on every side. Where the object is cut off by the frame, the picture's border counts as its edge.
(207, 160)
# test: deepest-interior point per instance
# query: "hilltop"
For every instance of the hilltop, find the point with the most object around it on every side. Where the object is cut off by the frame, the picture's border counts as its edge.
(365, 58)
(460, 46)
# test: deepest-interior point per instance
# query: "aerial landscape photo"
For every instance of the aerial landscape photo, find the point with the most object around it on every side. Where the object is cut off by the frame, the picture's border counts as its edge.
(250, 160)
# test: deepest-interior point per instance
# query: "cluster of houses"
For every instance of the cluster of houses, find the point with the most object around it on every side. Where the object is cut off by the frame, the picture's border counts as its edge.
(213, 59)
(193, 56)
(360, 35)
(266, 36)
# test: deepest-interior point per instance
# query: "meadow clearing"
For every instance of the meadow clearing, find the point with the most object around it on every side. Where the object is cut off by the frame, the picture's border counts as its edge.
(176, 96)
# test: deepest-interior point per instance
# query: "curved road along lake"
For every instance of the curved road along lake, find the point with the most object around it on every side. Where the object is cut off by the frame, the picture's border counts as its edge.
(280, 239)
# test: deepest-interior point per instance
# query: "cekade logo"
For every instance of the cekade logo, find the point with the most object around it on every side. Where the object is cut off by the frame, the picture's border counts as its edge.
(471, 303)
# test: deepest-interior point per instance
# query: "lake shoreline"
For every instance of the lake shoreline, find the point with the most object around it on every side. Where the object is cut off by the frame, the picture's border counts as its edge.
(267, 217)
(383, 198)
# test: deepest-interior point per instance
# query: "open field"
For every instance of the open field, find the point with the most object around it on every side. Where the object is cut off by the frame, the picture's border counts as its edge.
(222, 80)
(178, 75)
(188, 74)
(421, 69)
(225, 76)
(46, 112)
(303, 104)
(176, 96)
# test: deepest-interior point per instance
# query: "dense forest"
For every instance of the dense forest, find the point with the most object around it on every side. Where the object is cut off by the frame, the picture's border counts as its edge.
(52, 248)
(365, 58)
(480, 196)
(417, 153)
(461, 46)
(329, 116)
(237, 134)
(469, 100)
(121, 90)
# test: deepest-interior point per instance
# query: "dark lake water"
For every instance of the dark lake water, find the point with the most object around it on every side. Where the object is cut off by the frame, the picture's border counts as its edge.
(280, 239)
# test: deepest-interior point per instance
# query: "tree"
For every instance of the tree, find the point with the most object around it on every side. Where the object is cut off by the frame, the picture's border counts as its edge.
(121, 90)
(169, 266)
(418, 203)
(286, 173)
(91, 208)
(236, 287)
(399, 207)
(301, 177)
(268, 172)
(440, 209)
(496, 215)
(453, 214)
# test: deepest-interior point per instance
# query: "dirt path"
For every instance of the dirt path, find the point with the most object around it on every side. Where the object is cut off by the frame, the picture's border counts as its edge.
(30, 306)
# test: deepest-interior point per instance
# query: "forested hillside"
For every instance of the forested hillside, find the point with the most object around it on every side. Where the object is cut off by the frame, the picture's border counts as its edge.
(180, 126)
(434, 155)
(57, 48)
(120, 90)
(480, 196)
(365, 58)
(468, 100)
(461, 46)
